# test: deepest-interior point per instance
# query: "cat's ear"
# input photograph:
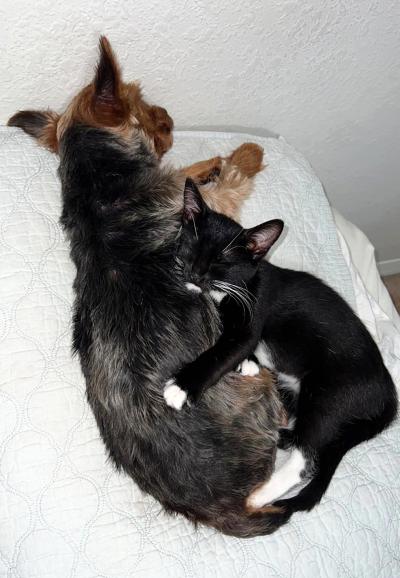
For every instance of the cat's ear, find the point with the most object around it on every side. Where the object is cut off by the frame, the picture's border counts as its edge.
(260, 239)
(193, 204)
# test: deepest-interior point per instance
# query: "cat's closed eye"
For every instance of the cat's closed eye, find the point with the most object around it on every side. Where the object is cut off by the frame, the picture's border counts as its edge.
(221, 260)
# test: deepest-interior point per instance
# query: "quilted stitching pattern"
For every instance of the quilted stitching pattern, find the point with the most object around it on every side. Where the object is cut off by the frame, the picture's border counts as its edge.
(64, 512)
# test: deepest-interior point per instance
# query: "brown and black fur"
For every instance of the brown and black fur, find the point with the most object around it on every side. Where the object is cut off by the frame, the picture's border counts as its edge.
(225, 182)
(135, 323)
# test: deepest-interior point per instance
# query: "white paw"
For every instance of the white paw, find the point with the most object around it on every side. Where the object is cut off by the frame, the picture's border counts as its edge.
(248, 367)
(174, 395)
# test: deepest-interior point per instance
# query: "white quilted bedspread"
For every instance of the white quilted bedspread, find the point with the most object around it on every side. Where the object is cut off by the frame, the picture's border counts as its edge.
(64, 512)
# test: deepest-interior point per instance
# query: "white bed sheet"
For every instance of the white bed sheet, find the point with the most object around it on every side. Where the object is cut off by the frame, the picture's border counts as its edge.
(64, 511)
(362, 258)
(372, 300)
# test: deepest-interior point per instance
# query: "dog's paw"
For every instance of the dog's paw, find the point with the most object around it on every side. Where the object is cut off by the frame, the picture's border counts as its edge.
(248, 367)
(174, 396)
(248, 158)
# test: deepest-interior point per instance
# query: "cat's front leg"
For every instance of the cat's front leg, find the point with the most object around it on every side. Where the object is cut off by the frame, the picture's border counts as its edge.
(186, 387)
(205, 371)
(174, 395)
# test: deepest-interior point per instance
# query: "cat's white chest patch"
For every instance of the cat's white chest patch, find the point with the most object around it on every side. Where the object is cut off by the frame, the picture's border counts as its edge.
(192, 287)
(289, 381)
(217, 296)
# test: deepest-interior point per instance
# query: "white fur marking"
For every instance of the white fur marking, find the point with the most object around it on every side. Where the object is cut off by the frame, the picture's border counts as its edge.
(289, 381)
(291, 423)
(174, 395)
(192, 287)
(280, 482)
(263, 355)
(249, 367)
(217, 296)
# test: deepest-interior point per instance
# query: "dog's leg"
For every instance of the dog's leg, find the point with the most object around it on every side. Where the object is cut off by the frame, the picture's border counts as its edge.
(248, 158)
(226, 182)
(204, 171)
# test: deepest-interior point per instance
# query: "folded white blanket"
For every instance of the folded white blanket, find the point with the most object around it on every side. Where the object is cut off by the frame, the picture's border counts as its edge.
(64, 512)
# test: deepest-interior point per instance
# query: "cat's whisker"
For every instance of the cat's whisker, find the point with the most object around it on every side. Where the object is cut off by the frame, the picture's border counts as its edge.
(246, 296)
(242, 290)
(234, 296)
(238, 300)
(226, 251)
(230, 242)
(243, 296)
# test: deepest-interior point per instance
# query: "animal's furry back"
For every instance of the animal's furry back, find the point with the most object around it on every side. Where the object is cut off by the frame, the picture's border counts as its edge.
(135, 325)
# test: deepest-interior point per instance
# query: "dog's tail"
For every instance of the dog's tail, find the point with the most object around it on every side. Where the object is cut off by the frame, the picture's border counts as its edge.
(249, 524)
(234, 520)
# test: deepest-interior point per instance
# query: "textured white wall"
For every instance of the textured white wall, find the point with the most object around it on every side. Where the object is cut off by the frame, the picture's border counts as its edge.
(324, 73)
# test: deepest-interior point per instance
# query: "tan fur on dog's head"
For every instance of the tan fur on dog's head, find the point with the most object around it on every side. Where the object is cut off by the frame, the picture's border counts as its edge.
(107, 102)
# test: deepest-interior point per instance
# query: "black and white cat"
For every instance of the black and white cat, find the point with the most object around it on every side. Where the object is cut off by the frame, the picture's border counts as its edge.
(333, 381)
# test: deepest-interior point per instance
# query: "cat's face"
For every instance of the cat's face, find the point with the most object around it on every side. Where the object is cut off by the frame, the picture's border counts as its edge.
(216, 253)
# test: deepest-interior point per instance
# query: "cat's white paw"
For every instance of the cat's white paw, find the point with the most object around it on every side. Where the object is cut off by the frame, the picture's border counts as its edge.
(249, 367)
(174, 396)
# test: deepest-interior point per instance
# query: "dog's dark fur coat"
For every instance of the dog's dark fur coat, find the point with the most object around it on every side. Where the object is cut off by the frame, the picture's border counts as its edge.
(135, 324)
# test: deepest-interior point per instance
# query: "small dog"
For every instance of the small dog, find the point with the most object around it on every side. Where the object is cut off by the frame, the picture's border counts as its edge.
(224, 182)
(135, 322)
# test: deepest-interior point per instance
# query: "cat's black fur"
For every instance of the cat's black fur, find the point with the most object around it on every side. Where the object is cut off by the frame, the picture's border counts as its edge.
(346, 393)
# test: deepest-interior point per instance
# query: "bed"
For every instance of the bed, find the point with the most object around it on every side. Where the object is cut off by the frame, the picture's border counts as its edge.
(64, 511)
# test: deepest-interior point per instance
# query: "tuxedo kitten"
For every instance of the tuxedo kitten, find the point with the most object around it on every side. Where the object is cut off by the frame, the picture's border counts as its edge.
(332, 377)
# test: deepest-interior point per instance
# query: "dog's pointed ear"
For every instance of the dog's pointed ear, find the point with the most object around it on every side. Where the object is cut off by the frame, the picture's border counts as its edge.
(193, 204)
(41, 124)
(108, 76)
(260, 239)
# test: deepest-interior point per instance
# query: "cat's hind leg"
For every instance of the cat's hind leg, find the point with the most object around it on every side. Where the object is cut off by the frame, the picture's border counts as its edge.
(290, 474)
(329, 423)
(311, 494)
